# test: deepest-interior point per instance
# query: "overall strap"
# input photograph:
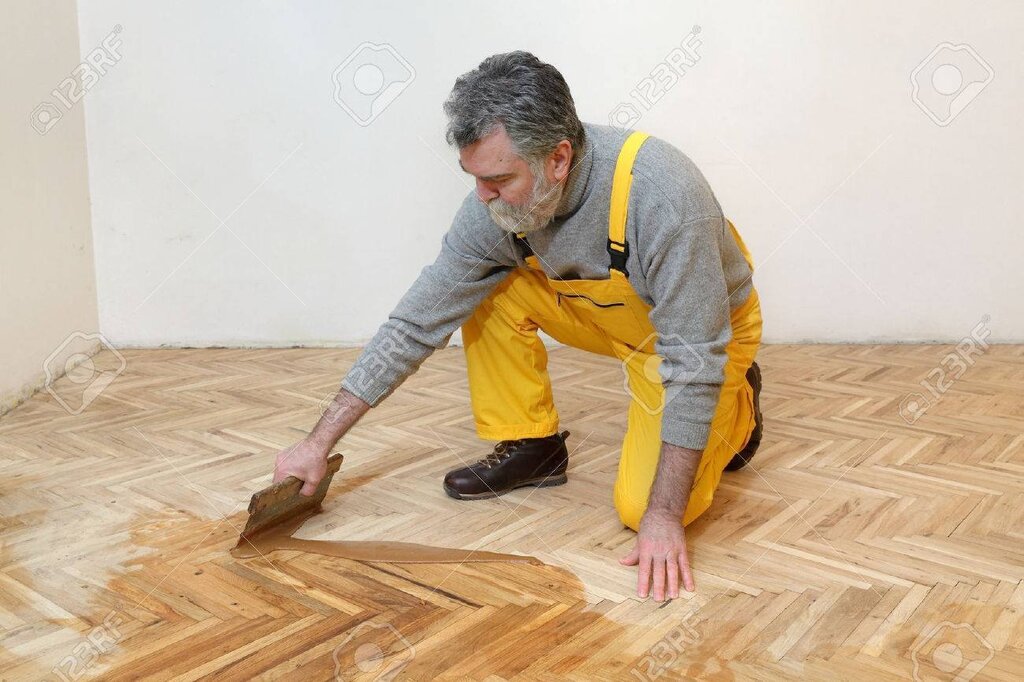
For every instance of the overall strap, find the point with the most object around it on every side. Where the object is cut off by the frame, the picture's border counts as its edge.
(527, 251)
(618, 249)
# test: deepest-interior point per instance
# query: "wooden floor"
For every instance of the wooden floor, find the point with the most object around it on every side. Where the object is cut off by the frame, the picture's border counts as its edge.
(860, 544)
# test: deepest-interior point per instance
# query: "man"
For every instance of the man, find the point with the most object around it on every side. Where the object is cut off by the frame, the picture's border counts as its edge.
(608, 241)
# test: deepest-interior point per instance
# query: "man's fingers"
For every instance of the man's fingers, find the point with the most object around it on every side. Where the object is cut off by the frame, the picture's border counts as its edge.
(643, 581)
(658, 566)
(308, 486)
(684, 564)
(672, 569)
(631, 558)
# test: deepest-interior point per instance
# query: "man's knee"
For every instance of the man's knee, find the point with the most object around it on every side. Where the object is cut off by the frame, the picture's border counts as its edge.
(629, 509)
(632, 507)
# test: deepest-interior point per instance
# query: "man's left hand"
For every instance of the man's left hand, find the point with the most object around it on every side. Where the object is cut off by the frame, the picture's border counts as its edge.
(660, 552)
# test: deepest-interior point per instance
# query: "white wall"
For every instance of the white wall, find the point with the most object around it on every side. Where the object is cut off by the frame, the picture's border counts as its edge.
(226, 111)
(48, 314)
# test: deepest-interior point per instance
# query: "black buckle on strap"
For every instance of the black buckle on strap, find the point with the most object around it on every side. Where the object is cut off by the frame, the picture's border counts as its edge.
(618, 257)
(524, 245)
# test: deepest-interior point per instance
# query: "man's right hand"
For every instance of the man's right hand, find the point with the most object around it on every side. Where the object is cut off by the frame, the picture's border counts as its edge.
(306, 461)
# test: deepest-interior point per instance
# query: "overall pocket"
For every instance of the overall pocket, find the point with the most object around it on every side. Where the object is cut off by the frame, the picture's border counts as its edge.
(610, 314)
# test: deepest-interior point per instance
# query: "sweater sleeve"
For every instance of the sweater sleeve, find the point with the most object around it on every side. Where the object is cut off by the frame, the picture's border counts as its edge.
(685, 279)
(475, 256)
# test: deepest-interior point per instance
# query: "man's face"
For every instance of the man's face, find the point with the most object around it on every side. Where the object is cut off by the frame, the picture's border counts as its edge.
(521, 197)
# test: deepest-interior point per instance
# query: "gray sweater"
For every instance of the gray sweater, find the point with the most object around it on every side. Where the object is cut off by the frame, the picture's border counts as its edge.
(683, 262)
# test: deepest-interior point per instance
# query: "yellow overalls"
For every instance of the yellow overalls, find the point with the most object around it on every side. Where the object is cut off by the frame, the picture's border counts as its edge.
(510, 390)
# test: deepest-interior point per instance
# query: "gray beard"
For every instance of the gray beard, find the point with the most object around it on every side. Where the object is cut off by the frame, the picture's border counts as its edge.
(534, 214)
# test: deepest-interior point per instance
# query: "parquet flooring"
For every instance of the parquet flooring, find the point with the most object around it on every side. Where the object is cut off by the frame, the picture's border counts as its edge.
(858, 545)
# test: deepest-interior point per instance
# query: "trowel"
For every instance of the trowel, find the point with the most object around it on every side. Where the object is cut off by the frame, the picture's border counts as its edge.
(281, 503)
(277, 512)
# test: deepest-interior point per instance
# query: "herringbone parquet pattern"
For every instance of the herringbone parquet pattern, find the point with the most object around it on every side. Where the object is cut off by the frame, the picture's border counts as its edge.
(859, 544)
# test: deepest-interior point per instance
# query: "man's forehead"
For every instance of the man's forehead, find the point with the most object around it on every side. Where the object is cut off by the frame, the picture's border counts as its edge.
(490, 156)
(492, 170)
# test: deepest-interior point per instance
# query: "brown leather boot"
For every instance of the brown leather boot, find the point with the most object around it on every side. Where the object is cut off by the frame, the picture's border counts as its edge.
(513, 464)
(740, 459)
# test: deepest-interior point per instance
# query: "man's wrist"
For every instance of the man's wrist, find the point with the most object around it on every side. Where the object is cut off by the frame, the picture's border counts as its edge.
(661, 514)
(341, 414)
(670, 491)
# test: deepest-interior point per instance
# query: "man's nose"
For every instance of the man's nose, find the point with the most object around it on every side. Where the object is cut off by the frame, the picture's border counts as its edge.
(484, 193)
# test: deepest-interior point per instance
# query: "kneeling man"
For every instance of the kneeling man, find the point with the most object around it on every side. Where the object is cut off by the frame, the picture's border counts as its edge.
(608, 241)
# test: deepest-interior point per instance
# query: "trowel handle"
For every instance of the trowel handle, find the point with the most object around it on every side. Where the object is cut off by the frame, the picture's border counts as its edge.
(333, 464)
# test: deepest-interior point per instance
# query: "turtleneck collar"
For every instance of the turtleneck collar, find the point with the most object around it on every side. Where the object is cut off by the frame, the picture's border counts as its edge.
(576, 188)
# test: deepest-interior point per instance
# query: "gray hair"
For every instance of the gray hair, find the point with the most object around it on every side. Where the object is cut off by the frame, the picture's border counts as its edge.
(517, 90)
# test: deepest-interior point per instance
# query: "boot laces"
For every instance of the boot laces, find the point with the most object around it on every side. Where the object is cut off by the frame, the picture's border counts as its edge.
(501, 452)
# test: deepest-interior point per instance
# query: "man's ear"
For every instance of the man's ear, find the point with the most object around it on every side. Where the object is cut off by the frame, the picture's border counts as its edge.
(560, 161)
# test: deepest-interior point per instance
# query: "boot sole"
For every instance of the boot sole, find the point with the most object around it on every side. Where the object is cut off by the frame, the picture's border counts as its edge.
(546, 482)
(742, 458)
